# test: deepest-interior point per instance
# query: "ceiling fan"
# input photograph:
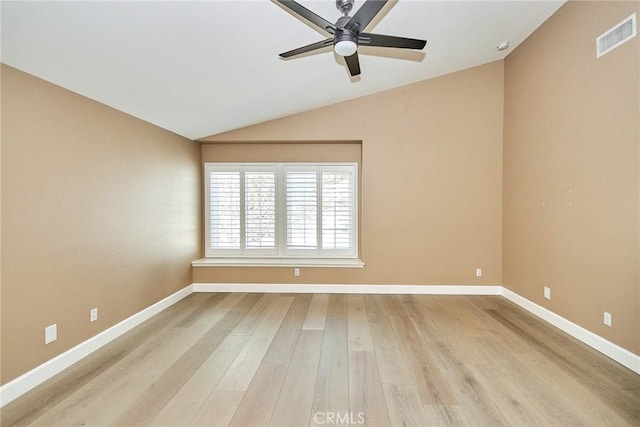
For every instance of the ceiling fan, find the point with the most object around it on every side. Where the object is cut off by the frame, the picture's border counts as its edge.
(347, 33)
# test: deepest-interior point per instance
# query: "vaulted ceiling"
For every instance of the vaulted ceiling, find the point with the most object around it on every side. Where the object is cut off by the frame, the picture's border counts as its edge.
(205, 67)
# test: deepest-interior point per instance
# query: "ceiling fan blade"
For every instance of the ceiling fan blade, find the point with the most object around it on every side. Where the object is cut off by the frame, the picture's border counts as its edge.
(353, 64)
(365, 15)
(367, 39)
(307, 48)
(301, 11)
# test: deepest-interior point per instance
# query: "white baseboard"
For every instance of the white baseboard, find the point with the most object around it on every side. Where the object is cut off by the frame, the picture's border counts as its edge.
(349, 289)
(615, 352)
(47, 370)
(38, 375)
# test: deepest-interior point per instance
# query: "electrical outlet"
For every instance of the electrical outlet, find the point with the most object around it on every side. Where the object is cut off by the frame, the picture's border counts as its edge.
(296, 272)
(50, 333)
(93, 315)
(547, 292)
(607, 318)
(478, 272)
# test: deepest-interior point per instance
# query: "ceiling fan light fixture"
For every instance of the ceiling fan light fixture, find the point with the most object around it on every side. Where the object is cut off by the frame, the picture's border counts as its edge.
(345, 47)
(347, 31)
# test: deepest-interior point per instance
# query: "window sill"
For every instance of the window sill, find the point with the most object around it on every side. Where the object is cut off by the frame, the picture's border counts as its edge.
(279, 262)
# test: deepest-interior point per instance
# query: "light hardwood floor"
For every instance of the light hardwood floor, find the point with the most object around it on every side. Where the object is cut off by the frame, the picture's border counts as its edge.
(301, 359)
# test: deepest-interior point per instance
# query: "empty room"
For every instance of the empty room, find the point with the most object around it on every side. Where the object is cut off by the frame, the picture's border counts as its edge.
(320, 212)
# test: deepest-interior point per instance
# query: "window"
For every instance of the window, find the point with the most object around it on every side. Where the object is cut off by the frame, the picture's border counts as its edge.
(281, 210)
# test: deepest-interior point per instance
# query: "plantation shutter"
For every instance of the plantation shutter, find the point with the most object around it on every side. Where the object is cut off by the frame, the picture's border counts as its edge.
(224, 209)
(337, 209)
(301, 187)
(260, 209)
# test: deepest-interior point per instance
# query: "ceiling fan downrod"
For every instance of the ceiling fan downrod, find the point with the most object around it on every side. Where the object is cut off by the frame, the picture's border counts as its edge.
(344, 6)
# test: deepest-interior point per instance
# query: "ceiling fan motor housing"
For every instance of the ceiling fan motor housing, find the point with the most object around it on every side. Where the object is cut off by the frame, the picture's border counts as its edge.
(345, 42)
(342, 35)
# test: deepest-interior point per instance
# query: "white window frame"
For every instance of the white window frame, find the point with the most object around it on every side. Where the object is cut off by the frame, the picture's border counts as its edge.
(281, 253)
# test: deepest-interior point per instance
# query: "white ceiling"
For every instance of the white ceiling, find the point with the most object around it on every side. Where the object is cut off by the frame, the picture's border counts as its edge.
(201, 68)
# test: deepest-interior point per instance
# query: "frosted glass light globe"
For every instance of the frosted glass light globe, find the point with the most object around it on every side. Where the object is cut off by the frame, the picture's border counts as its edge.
(345, 48)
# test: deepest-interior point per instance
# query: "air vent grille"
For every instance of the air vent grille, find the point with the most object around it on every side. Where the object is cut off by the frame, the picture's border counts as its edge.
(624, 31)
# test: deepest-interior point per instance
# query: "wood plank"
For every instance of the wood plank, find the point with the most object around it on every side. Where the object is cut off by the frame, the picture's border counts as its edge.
(247, 302)
(146, 407)
(358, 330)
(190, 398)
(472, 398)
(244, 367)
(332, 387)
(404, 405)
(512, 401)
(366, 396)
(240, 373)
(317, 312)
(284, 343)
(502, 373)
(433, 388)
(451, 415)
(186, 401)
(255, 315)
(205, 306)
(467, 400)
(423, 314)
(389, 358)
(459, 317)
(218, 409)
(294, 404)
(260, 399)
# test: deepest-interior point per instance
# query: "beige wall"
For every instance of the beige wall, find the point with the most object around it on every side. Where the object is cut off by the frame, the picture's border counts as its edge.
(99, 209)
(431, 181)
(571, 171)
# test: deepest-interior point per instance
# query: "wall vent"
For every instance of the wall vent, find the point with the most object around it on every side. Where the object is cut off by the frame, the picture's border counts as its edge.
(624, 31)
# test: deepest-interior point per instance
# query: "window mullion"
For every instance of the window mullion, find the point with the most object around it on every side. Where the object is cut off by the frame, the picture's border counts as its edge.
(281, 211)
(319, 209)
(207, 211)
(242, 212)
